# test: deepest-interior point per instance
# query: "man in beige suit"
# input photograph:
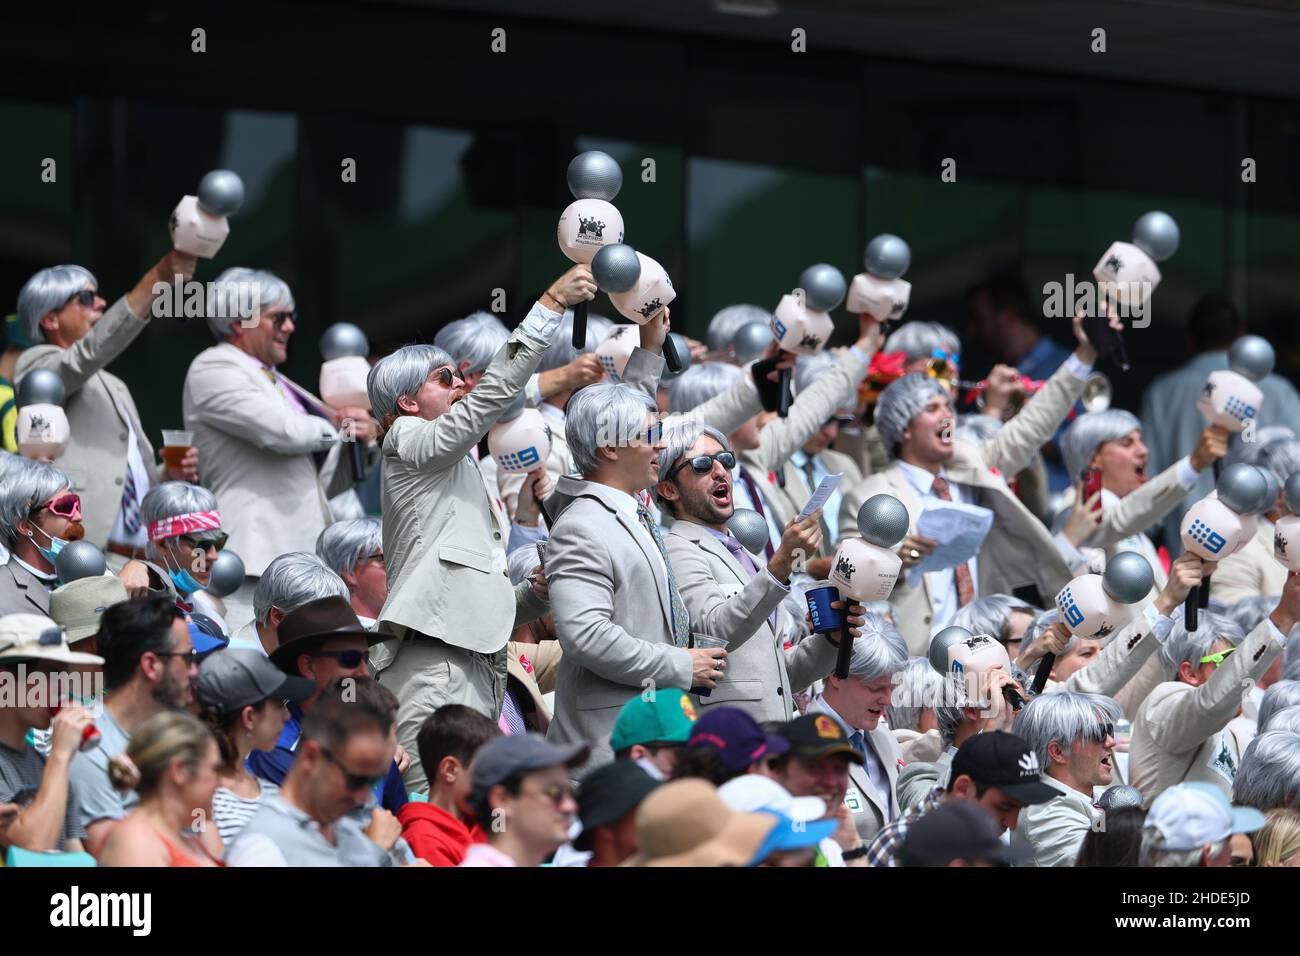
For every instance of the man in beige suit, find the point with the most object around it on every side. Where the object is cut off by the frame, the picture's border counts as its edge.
(450, 600)
(916, 423)
(109, 458)
(1253, 571)
(271, 449)
(1180, 731)
(725, 593)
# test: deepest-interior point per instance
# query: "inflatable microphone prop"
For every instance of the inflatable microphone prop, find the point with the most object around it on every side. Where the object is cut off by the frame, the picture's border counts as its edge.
(42, 428)
(79, 559)
(1220, 524)
(615, 349)
(344, 348)
(638, 287)
(750, 342)
(801, 323)
(198, 224)
(226, 574)
(958, 653)
(520, 440)
(749, 528)
(591, 221)
(866, 568)
(1286, 533)
(1126, 276)
(1231, 398)
(1094, 606)
(880, 292)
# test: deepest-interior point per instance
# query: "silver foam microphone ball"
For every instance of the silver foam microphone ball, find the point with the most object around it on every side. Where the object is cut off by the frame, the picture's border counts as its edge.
(79, 559)
(1291, 493)
(823, 287)
(887, 256)
(221, 193)
(883, 520)
(1252, 356)
(1242, 488)
(226, 575)
(1119, 796)
(751, 341)
(594, 175)
(939, 644)
(1156, 234)
(1270, 495)
(342, 340)
(750, 529)
(40, 386)
(1128, 577)
(616, 267)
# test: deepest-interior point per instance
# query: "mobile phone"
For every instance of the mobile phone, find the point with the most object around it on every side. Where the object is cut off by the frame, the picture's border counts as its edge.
(1091, 478)
(541, 554)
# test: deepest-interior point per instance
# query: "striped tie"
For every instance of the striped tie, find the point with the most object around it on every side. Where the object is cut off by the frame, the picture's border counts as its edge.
(681, 620)
(130, 505)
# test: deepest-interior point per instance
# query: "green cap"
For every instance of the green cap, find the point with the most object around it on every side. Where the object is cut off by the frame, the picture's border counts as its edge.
(14, 334)
(665, 718)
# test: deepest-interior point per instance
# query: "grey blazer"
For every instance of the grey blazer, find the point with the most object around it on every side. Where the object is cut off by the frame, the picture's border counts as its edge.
(609, 597)
(870, 812)
(761, 677)
(22, 592)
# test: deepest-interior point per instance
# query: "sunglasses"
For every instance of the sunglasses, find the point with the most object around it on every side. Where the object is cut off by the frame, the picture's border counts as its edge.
(345, 658)
(449, 376)
(191, 656)
(65, 506)
(353, 781)
(85, 297)
(1217, 659)
(217, 541)
(651, 436)
(556, 792)
(279, 318)
(1105, 730)
(703, 464)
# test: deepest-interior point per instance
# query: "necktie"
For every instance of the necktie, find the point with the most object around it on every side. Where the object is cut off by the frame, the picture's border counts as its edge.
(965, 585)
(681, 621)
(512, 718)
(859, 744)
(130, 505)
(757, 499)
(742, 556)
(812, 486)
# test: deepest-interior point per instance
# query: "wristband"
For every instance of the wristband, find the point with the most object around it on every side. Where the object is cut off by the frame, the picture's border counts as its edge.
(856, 853)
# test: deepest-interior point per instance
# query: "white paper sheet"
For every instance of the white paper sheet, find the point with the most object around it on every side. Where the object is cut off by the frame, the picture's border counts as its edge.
(960, 530)
(825, 488)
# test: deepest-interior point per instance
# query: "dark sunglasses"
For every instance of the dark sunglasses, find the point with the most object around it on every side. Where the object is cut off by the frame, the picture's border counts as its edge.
(703, 464)
(279, 318)
(85, 297)
(556, 792)
(353, 781)
(194, 544)
(1105, 730)
(191, 656)
(345, 658)
(449, 376)
(65, 506)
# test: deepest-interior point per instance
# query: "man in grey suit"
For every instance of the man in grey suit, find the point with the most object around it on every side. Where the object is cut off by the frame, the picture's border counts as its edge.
(451, 607)
(724, 592)
(109, 458)
(618, 613)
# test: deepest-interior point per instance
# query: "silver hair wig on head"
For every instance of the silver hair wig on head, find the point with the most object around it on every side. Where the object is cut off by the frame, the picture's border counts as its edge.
(919, 339)
(172, 498)
(474, 339)
(879, 651)
(345, 544)
(1282, 457)
(1269, 775)
(680, 436)
(1089, 432)
(901, 401)
(520, 563)
(882, 608)
(604, 415)
(401, 373)
(977, 428)
(48, 291)
(290, 581)
(1190, 646)
(1064, 717)
(700, 383)
(1286, 720)
(1249, 611)
(723, 325)
(241, 294)
(991, 615)
(23, 486)
(1253, 452)
(1280, 695)
(919, 687)
(562, 352)
(809, 368)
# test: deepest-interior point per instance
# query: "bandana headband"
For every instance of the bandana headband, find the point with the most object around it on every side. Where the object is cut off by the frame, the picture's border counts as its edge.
(177, 525)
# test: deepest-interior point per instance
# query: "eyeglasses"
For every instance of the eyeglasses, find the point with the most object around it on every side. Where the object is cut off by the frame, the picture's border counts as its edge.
(345, 658)
(1217, 659)
(651, 436)
(449, 376)
(191, 656)
(703, 464)
(65, 506)
(279, 318)
(557, 793)
(193, 544)
(1104, 731)
(353, 781)
(85, 297)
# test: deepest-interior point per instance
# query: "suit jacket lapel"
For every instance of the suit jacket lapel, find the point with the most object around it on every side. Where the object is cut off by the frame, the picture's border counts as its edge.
(657, 562)
(708, 542)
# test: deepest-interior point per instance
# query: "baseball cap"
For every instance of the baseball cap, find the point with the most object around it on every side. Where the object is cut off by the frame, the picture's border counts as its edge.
(818, 735)
(956, 830)
(736, 736)
(78, 605)
(239, 676)
(1192, 815)
(791, 834)
(205, 635)
(26, 637)
(666, 718)
(752, 791)
(608, 794)
(1003, 760)
(501, 757)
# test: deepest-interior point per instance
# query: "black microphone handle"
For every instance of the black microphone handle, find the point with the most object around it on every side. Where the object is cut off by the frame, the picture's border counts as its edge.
(1190, 607)
(1218, 469)
(580, 325)
(1204, 589)
(786, 396)
(670, 355)
(845, 653)
(357, 458)
(1040, 676)
(1013, 697)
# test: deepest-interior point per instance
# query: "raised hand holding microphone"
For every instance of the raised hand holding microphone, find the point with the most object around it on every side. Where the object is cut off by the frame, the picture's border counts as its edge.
(590, 221)
(1222, 523)
(801, 322)
(1286, 532)
(639, 288)
(344, 347)
(880, 293)
(1126, 276)
(1231, 399)
(198, 224)
(866, 568)
(958, 653)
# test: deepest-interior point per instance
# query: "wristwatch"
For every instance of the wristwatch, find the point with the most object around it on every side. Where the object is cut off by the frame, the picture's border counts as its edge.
(856, 853)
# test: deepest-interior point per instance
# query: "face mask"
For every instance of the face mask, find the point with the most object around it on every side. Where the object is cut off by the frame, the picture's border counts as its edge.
(648, 766)
(184, 581)
(56, 545)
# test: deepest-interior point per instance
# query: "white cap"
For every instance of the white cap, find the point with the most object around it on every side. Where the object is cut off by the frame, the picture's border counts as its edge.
(750, 792)
(1193, 815)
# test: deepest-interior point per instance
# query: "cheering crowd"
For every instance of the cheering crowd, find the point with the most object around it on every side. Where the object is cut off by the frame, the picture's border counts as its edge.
(450, 660)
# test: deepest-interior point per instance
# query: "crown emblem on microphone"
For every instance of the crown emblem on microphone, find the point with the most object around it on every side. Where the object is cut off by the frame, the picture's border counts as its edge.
(651, 307)
(591, 227)
(39, 423)
(1028, 764)
(810, 342)
(1114, 263)
(1103, 631)
(844, 566)
(1279, 544)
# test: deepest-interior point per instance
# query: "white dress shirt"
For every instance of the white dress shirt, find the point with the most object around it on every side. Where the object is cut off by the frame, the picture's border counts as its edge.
(942, 584)
(830, 510)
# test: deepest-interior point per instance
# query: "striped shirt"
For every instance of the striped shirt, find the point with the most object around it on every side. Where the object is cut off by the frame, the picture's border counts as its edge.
(232, 812)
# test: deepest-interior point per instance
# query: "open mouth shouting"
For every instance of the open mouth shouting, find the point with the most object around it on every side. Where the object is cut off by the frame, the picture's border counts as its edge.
(720, 494)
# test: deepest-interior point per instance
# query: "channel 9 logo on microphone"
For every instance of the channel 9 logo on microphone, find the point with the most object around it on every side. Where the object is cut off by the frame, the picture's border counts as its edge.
(1069, 610)
(1203, 534)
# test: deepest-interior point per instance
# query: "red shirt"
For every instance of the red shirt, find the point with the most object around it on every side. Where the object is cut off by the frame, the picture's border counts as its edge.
(435, 835)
